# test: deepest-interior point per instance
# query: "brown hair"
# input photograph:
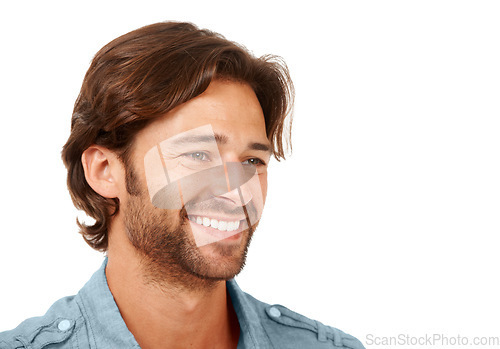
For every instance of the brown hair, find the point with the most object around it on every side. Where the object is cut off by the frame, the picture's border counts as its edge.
(144, 74)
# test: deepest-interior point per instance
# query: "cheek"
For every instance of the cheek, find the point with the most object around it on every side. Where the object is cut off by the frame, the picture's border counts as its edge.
(263, 185)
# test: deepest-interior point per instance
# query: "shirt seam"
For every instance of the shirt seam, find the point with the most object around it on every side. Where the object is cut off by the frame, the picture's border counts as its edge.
(79, 329)
(86, 320)
(268, 337)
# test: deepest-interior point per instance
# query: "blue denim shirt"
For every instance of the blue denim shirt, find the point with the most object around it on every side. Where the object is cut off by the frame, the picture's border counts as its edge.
(91, 319)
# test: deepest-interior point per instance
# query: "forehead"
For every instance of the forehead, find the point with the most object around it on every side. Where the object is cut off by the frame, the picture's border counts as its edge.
(231, 108)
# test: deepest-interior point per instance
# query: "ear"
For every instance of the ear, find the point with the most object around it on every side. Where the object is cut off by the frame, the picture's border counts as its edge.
(103, 171)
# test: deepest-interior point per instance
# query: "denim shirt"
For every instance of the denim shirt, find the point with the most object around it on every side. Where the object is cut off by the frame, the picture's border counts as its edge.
(91, 319)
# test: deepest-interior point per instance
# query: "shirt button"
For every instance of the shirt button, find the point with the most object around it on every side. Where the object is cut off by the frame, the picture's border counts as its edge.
(64, 325)
(274, 312)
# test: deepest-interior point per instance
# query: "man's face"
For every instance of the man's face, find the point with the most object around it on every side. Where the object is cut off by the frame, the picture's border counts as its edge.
(197, 182)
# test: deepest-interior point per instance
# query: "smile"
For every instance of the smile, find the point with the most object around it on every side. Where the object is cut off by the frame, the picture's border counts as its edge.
(216, 224)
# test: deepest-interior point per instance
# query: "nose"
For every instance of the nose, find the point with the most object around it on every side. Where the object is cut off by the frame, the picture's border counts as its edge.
(240, 196)
(238, 177)
(228, 181)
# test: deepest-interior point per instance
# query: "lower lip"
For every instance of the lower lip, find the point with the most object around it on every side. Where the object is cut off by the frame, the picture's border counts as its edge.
(234, 235)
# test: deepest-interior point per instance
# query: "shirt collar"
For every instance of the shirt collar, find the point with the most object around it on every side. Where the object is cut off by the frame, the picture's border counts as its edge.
(107, 328)
(252, 333)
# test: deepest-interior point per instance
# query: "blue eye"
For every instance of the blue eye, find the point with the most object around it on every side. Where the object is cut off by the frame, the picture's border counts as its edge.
(197, 156)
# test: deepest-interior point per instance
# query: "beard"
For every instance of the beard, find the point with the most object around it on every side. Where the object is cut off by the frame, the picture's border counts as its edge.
(169, 255)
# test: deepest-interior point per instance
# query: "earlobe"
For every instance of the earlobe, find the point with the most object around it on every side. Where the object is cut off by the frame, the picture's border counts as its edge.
(99, 167)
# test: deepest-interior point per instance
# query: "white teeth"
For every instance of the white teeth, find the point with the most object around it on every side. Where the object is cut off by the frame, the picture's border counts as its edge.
(214, 223)
(222, 226)
(206, 221)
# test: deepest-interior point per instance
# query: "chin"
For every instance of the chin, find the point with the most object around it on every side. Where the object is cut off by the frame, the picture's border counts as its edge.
(223, 260)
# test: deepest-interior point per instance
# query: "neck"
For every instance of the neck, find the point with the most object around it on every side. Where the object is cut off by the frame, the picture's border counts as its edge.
(163, 313)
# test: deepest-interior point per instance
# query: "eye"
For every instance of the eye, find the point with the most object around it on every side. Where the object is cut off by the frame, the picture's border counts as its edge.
(197, 156)
(254, 161)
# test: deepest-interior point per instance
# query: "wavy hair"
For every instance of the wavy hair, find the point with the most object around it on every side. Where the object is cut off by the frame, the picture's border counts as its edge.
(144, 74)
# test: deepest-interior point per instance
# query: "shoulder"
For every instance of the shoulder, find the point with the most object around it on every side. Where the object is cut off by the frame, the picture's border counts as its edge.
(56, 329)
(284, 325)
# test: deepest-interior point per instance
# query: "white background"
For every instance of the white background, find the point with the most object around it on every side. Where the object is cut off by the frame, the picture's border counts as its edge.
(385, 219)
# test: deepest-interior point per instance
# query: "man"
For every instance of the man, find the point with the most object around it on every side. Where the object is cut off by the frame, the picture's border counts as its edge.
(170, 140)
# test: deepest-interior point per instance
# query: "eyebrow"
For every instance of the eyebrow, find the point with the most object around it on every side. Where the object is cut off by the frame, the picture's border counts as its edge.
(219, 139)
(260, 146)
(209, 138)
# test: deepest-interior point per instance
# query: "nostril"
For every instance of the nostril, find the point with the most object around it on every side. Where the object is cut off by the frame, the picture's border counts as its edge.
(237, 197)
